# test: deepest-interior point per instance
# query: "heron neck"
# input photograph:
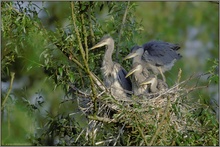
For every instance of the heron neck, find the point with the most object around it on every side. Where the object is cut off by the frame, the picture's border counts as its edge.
(154, 85)
(109, 52)
(137, 59)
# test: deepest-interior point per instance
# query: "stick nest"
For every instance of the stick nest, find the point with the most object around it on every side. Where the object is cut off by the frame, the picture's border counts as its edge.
(162, 110)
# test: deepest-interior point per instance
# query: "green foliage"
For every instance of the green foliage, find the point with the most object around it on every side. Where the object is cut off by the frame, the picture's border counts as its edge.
(18, 122)
(213, 71)
(53, 54)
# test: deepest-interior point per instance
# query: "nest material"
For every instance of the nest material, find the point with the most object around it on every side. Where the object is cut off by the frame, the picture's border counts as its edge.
(153, 108)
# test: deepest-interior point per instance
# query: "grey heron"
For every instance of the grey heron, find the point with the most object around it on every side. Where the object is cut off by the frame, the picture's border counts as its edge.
(113, 73)
(138, 78)
(157, 85)
(138, 75)
(159, 56)
(141, 77)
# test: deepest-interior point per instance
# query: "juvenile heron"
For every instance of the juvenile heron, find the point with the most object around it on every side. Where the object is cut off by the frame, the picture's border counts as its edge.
(159, 56)
(138, 78)
(141, 77)
(113, 73)
(156, 84)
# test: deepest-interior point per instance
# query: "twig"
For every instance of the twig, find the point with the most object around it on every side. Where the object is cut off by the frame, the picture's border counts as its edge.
(119, 133)
(98, 82)
(79, 91)
(120, 32)
(85, 36)
(140, 131)
(104, 141)
(102, 119)
(9, 90)
(162, 121)
(82, 132)
(179, 75)
(81, 77)
(90, 25)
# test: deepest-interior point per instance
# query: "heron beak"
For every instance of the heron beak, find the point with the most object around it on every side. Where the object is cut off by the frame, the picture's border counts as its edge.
(132, 71)
(131, 55)
(100, 44)
(150, 80)
(145, 82)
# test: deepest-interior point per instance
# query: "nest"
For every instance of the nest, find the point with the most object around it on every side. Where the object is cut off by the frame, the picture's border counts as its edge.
(170, 107)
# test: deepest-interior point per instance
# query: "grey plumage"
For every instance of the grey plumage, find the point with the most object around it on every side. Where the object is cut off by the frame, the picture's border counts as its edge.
(140, 74)
(159, 56)
(156, 85)
(160, 53)
(137, 78)
(113, 73)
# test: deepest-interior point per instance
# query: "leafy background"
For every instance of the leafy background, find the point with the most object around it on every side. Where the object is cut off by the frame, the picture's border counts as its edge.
(36, 35)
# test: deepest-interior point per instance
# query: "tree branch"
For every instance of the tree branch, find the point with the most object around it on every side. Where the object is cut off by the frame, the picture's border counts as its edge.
(84, 60)
(90, 26)
(120, 32)
(9, 89)
(85, 36)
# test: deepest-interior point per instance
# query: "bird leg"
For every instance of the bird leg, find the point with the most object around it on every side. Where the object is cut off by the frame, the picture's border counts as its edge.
(164, 79)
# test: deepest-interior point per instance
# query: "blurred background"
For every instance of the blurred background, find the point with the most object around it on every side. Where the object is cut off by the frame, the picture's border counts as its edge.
(192, 25)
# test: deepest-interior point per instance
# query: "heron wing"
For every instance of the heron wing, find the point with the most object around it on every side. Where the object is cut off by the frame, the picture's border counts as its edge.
(125, 82)
(160, 53)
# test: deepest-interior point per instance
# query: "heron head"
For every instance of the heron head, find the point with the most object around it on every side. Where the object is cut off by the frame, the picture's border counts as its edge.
(105, 40)
(150, 80)
(135, 51)
(136, 68)
(134, 48)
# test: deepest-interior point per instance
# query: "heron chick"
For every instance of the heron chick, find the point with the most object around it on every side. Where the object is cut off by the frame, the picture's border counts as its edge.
(113, 73)
(157, 85)
(139, 74)
(159, 56)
